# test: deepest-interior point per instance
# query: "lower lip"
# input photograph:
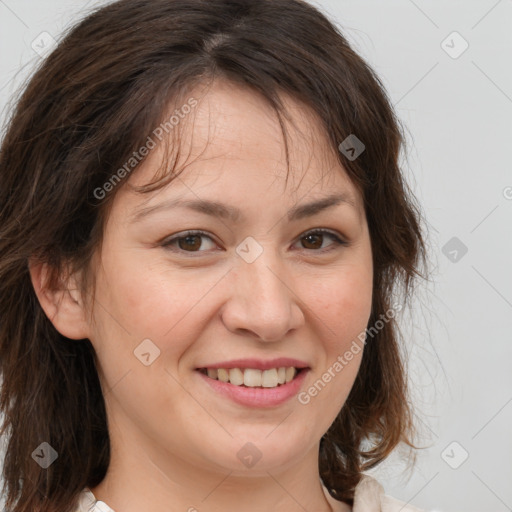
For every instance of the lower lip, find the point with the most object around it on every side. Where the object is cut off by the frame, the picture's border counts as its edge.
(257, 397)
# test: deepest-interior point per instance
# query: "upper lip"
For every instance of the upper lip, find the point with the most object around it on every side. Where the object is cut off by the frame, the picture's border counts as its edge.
(258, 364)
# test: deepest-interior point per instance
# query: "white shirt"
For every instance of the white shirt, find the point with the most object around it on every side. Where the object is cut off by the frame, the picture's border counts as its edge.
(369, 497)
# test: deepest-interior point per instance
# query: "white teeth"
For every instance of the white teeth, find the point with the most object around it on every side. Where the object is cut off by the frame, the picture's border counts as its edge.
(254, 378)
(269, 378)
(223, 375)
(236, 376)
(290, 373)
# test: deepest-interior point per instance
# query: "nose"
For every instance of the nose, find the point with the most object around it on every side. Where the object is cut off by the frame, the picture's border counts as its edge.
(262, 302)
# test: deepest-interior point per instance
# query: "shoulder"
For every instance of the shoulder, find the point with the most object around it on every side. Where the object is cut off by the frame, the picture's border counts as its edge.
(88, 503)
(370, 497)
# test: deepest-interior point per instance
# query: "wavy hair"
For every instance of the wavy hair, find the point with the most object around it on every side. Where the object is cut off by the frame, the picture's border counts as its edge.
(93, 102)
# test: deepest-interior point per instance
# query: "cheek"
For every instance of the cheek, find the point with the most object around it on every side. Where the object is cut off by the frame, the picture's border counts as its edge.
(341, 308)
(340, 311)
(142, 302)
(152, 299)
(342, 300)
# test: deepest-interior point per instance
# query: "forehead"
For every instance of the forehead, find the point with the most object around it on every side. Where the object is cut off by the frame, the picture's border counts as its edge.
(234, 137)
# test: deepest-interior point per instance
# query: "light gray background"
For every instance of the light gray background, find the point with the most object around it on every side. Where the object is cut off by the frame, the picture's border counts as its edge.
(458, 115)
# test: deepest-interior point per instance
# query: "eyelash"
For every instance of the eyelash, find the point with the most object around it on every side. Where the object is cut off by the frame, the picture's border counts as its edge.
(168, 243)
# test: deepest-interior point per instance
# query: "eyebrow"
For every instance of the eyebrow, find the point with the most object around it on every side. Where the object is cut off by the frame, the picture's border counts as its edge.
(216, 209)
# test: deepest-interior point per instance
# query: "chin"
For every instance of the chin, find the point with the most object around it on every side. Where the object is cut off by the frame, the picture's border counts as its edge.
(259, 454)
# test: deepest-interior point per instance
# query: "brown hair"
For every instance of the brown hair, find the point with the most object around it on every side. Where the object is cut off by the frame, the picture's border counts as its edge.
(93, 102)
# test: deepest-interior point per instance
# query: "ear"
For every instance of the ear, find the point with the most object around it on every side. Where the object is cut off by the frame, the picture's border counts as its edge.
(62, 306)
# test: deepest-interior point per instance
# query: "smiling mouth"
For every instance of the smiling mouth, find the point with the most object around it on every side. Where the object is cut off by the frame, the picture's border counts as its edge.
(253, 378)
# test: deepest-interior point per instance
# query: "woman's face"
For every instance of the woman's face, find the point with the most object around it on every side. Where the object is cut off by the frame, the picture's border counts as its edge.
(254, 286)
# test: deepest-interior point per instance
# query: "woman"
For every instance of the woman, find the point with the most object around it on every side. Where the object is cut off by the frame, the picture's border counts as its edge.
(203, 230)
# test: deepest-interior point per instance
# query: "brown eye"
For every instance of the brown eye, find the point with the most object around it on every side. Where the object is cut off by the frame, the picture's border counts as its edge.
(314, 240)
(189, 242)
